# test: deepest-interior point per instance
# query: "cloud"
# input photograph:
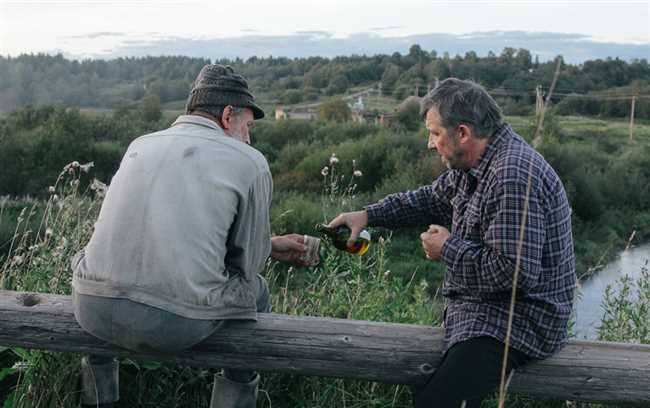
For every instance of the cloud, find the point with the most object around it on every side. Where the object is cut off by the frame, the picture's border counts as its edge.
(386, 28)
(319, 34)
(575, 48)
(96, 35)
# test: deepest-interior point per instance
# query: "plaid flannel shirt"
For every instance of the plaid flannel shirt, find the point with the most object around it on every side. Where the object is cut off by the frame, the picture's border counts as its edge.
(484, 206)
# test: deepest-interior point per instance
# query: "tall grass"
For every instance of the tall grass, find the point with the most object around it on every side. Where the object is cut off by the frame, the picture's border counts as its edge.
(343, 286)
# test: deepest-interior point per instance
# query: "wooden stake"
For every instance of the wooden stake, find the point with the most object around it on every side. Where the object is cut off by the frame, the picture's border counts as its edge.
(632, 118)
(537, 141)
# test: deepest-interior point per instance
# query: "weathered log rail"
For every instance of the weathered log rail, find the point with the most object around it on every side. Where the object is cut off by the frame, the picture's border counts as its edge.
(384, 352)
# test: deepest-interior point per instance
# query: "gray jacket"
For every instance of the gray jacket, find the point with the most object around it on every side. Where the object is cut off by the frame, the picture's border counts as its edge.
(184, 225)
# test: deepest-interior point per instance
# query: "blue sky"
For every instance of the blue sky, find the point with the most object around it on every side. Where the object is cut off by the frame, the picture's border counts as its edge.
(87, 28)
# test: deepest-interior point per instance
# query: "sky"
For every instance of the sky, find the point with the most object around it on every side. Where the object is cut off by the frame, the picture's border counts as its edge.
(110, 28)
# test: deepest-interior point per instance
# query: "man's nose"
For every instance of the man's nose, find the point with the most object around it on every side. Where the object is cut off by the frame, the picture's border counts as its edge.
(431, 145)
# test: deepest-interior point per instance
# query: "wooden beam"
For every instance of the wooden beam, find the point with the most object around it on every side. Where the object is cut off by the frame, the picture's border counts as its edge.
(383, 352)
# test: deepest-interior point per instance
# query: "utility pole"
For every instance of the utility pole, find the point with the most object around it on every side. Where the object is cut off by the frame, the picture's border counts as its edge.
(632, 118)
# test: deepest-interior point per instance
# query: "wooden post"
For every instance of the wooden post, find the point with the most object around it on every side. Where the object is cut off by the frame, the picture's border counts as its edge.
(537, 141)
(632, 118)
(539, 101)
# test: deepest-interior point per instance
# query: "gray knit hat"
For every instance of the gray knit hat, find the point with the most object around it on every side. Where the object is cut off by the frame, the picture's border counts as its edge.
(219, 85)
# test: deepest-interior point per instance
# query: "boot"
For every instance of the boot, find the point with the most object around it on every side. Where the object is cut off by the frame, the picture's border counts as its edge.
(99, 381)
(227, 393)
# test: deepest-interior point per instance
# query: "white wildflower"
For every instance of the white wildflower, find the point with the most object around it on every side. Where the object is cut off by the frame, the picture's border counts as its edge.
(98, 186)
(333, 159)
(74, 183)
(48, 232)
(20, 366)
(51, 190)
(325, 171)
(55, 198)
(74, 164)
(87, 166)
(17, 260)
(354, 163)
(357, 173)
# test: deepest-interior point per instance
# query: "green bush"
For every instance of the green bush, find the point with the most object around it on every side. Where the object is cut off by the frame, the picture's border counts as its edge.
(626, 316)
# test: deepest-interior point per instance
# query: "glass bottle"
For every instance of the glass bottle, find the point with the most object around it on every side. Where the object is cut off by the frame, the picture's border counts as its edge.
(339, 236)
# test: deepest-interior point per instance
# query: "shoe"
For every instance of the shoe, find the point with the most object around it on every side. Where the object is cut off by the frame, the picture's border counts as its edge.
(99, 381)
(227, 393)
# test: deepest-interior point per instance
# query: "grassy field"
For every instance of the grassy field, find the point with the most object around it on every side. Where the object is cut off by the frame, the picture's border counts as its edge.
(392, 283)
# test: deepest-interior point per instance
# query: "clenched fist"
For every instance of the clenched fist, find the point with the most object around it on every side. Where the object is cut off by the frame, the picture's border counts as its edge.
(433, 240)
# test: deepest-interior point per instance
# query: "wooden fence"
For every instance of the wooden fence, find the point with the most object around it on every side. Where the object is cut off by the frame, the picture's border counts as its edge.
(384, 352)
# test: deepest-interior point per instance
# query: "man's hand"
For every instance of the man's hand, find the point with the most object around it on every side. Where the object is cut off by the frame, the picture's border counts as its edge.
(356, 221)
(289, 248)
(433, 240)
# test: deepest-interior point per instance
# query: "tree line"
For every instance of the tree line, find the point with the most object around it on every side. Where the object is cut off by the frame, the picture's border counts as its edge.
(43, 79)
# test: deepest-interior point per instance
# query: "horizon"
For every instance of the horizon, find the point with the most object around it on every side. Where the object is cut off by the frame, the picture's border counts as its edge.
(575, 49)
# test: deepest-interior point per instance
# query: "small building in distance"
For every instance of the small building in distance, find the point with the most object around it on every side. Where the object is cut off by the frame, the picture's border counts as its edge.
(299, 113)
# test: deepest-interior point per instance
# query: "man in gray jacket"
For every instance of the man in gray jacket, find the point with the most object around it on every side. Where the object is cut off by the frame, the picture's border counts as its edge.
(181, 238)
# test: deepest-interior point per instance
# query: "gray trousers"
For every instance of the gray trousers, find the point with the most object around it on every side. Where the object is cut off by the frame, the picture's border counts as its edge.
(139, 327)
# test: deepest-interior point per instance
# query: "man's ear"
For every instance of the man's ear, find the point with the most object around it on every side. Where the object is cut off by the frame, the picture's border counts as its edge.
(465, 133)
(226, 117)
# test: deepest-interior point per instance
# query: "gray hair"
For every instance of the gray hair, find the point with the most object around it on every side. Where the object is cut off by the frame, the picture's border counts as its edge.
(464, 102)
(217, 111)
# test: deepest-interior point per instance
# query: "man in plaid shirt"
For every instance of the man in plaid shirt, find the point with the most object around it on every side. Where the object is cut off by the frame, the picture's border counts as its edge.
(508, 210)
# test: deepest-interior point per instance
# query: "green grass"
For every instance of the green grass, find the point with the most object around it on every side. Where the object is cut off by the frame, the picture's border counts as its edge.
(391, 283)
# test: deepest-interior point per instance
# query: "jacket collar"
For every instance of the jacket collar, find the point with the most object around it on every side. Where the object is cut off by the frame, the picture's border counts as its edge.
(198, 121)
(500, 135)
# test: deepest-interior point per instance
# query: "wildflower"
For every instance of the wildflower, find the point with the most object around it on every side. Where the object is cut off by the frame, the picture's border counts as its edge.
(74, 183)
(387, 273)
(325, 171)
(98, 186)
(357, 173)
(20, 366)
(86, 167)
(48, 232)
(51, 190)
(55, 198)
(74, 164)
(354, 164)
(17, 260)
(333, 159)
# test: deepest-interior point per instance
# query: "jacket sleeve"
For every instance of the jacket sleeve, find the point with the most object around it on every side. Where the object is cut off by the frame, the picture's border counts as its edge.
(427, 205)
(249, 241)
(510, 241)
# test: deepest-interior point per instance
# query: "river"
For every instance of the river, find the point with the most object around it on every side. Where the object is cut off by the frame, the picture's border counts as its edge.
(588, 308)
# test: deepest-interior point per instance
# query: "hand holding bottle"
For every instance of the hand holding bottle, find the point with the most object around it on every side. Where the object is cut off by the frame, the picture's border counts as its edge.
(355, 220)
(347, 233)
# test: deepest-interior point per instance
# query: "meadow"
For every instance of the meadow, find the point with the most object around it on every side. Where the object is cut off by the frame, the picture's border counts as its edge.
(607, 177)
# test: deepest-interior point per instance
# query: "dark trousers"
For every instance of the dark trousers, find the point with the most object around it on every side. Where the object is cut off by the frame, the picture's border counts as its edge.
(469, 371)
